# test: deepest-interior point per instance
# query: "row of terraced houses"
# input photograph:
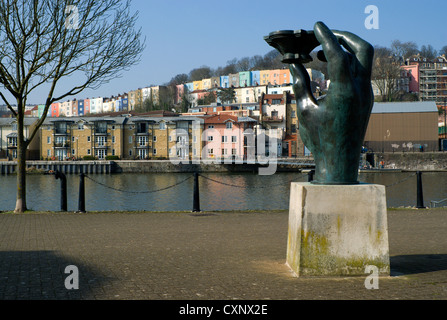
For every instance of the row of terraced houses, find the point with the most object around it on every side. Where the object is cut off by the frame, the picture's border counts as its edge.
(248, 87)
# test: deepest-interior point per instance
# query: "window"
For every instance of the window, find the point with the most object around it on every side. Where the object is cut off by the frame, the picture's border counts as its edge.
(211, 127)
(48, 140)
(101, 141)
(142, 141)
(210, 138)
(113, 152)
(81, 126)
(14, 127)
(130, 152)
(73, 151)
(224, 152)
(155, 151)
(224, 139)
(293, 114)
(130, 139)
(233, 139)
(210, 151)
(233, 152)
(293, 128)
(48, 153)
(88, 152)
(113, 139)
(88, 139)
(155, 139)
(162, 126)
(229, 125)
(73, 139)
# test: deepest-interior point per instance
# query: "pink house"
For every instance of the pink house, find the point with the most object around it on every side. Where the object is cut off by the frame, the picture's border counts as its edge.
(224, 137)
(54, 109)
(413, 71)
(86, 106)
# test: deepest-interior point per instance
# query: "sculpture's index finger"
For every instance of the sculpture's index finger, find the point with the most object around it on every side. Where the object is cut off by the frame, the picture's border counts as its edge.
(333, 51)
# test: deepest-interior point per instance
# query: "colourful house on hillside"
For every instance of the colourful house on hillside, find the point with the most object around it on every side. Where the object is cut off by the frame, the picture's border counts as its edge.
(224, 82)
(244, 79)
(255, 78)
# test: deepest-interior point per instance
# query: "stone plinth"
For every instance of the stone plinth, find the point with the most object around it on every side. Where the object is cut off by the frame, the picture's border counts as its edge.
(337, 230)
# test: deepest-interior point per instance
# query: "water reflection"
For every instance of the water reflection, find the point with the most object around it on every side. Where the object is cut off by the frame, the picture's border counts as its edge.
(222, 191)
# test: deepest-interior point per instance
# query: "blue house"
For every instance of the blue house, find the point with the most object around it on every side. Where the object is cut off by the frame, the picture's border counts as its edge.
(224, 82)
(255, 78)
(81, 108)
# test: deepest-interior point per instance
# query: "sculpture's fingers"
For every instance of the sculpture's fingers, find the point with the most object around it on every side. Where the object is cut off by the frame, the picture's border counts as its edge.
(363, 51)
(301, 86)
(337, 58)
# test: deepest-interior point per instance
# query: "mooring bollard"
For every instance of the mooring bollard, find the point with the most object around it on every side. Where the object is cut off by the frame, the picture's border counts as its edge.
(420, 194)
(81, 202)
(61, 176)
(196, 199)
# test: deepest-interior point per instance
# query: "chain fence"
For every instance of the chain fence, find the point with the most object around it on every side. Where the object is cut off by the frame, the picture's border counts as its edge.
(401, 181)
(253, 187)
(296, 179)
(137, 192)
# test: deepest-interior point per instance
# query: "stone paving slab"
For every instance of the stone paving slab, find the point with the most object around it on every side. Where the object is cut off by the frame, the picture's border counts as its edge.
(213, 256)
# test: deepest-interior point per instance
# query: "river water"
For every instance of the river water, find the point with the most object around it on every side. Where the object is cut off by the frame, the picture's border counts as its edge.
(218, 191)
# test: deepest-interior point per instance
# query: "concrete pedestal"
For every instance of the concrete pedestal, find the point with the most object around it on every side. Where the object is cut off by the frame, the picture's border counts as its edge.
(337, 230)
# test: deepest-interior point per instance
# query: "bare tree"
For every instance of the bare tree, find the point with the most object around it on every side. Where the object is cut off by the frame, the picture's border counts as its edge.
(404, 50)
(386, 73)
(46, 42)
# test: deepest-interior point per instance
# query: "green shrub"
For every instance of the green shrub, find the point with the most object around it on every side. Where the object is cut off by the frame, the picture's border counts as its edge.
(112, 158)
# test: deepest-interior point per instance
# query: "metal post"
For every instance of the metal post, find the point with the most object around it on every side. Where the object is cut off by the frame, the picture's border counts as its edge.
(420, 196)
(61, 176)
(196, 199)
(310, 176)
(81, 203)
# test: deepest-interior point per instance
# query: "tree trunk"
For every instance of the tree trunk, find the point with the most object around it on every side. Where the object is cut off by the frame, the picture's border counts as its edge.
(21, 171)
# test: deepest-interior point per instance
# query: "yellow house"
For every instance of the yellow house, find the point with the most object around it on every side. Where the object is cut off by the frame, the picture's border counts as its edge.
(264, 77)
(198, 85)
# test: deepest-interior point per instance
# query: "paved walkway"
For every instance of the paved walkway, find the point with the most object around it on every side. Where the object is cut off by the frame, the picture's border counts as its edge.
(173, 256)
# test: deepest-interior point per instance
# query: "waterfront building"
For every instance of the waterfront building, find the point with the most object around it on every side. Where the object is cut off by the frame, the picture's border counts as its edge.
(8, 138)
(224, 137)
(79, 137)
(403, 127)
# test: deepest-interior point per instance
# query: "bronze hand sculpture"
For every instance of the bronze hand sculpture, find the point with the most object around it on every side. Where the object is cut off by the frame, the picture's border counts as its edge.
(334, 126)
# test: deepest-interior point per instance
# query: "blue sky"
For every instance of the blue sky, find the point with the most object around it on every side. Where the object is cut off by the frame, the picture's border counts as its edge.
(183, 35)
